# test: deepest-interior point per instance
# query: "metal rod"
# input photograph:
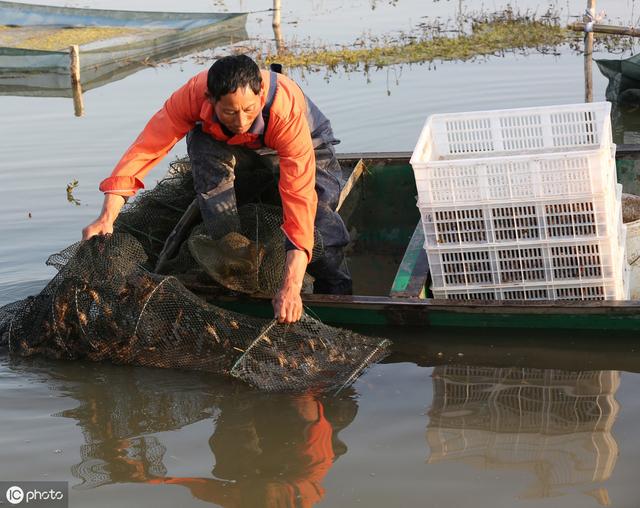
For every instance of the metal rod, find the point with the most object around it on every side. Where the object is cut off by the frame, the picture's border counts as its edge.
(76, 85)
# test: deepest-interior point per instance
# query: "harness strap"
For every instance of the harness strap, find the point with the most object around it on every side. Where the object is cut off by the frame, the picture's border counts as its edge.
(266, 111)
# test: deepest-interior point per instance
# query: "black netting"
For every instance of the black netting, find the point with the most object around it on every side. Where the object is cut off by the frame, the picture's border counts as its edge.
(103, 305)
(246, 253)
(151, 217)
(241, 251)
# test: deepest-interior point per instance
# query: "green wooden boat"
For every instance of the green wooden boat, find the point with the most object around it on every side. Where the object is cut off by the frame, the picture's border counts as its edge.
(390, 269)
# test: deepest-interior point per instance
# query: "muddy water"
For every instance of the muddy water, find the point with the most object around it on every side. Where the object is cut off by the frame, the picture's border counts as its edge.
(447, 421)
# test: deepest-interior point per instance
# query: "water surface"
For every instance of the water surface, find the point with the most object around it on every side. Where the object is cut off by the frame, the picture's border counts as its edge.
(449, 420)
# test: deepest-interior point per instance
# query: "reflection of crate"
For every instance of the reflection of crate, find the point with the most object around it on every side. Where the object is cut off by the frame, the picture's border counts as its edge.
(596, 216)
(523, 400)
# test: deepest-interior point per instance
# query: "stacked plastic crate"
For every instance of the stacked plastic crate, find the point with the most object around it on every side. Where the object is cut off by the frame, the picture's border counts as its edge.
(522, 204)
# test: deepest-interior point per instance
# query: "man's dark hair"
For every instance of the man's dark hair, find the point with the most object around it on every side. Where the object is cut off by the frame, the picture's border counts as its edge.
(232, 72)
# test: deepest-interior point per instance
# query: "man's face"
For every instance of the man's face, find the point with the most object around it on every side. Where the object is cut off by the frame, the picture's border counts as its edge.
(238, 110)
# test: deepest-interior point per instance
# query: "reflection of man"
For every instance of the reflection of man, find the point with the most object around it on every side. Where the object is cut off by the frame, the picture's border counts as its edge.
(266, 465)
(269, 449)
(227, 114)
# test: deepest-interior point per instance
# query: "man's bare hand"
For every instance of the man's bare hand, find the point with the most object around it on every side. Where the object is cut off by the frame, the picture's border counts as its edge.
(97, 227)
(103, 225)
(287, 304)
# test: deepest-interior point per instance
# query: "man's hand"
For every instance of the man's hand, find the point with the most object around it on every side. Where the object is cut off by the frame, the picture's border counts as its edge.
(103, 225)
(97, 227)
(287, 304)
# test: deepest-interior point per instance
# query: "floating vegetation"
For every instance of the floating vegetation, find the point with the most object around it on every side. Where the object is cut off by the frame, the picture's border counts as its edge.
(464, 38)
(52, 39)
(486, 39)
(70, 197)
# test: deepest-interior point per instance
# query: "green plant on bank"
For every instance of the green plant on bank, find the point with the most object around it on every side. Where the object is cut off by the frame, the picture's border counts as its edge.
(473, 36)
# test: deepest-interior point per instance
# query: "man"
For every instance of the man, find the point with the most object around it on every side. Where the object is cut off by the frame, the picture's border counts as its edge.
(230, 114)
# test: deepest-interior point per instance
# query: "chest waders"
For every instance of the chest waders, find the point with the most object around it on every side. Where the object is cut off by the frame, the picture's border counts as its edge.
(226, 176)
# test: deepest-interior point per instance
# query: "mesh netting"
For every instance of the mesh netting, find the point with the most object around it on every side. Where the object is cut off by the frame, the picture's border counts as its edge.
(246, 253)
(103, 305)
(241, 251)
(151, 217)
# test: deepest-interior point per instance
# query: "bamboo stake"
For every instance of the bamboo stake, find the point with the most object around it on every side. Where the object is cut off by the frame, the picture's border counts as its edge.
(76, 85)
(606, 29)
(588, 54)
(276, 13)
(276, 25)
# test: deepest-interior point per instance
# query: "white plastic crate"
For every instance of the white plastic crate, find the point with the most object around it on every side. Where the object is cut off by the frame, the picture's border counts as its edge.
(515, 154)
(586, 218)
(508, 179)
(578, 273)
(531, 263)
(585, 126)
(607, 289)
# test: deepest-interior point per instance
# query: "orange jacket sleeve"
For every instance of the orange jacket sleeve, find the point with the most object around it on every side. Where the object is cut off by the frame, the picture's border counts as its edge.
(168, 126)
(291, 138)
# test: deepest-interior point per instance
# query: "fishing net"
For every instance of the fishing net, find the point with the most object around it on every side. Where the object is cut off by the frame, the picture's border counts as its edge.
(246, 251)
(151, 217)
(241, 251)
(104, 305)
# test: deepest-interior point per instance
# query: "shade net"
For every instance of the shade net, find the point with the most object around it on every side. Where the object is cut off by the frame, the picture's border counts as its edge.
(624, 80)
(106, 304)
(34, 43)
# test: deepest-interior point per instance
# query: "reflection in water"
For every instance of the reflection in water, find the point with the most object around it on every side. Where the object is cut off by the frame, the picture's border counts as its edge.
(555, 424)
(268, 449)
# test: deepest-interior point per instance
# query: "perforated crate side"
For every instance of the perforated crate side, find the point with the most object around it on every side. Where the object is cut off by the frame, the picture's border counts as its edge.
(532, 130)
(607, 289)
(586, 218)
(531, 263)
(515, 178)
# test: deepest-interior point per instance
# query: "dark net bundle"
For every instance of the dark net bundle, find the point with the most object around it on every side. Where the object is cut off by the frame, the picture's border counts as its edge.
(242, 251)
(153, 214)
(245, 250)
(307, 354)
(103, 305)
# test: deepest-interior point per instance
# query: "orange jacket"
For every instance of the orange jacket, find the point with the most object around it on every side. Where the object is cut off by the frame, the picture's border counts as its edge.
(287, 133)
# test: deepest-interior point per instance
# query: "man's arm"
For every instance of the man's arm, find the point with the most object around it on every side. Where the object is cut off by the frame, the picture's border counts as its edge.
(162, 132)
(291, 138)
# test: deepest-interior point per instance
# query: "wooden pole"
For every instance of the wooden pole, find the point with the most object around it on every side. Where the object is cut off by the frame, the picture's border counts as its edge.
(606, 29)
(76, 85)
(588, 52)
(276, 25)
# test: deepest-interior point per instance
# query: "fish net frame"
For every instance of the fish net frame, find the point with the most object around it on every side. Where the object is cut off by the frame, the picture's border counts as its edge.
(104, 305)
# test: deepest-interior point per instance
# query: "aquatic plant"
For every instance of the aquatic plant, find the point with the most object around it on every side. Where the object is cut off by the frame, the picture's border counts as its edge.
(464, 38)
